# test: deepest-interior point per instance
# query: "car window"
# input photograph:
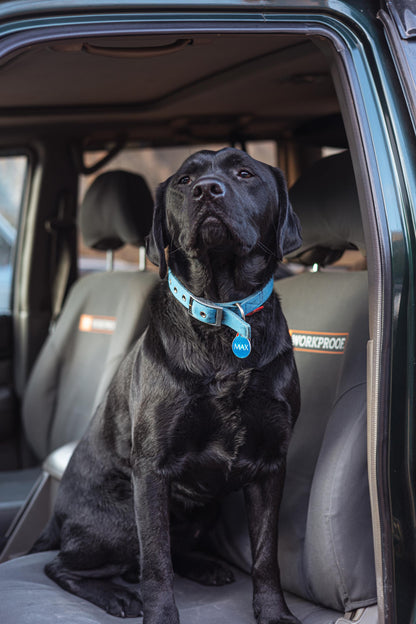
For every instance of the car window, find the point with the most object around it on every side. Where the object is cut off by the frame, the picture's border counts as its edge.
(155, 165)
(13, 171)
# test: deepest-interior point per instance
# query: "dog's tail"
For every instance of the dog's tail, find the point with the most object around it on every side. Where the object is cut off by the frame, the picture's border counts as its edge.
(49, 539)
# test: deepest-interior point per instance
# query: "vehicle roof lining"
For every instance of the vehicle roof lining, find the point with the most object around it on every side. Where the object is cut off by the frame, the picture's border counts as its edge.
(244, 83)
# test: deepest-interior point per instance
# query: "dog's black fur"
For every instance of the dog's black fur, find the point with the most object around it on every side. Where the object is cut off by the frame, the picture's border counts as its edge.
(184, 420)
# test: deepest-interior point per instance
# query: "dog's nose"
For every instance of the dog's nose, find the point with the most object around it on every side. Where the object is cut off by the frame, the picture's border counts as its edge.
(208, 188)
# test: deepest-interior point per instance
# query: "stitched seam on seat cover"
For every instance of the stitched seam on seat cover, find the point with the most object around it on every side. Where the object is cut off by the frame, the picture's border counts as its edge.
(341, 396)
(329, 516)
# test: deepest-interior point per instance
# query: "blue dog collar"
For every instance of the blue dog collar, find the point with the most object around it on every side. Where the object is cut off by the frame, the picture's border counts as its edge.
(232, 313)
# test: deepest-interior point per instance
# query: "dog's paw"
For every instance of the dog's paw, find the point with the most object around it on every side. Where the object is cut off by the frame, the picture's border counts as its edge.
(214, 573)
(203, 570)
(123, 602)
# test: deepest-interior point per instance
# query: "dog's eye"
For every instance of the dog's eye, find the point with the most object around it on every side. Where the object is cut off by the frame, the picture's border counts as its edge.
(184, 180)
(244, 173)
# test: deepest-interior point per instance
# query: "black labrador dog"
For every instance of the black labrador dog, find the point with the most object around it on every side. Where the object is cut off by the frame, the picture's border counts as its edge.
(195, 410)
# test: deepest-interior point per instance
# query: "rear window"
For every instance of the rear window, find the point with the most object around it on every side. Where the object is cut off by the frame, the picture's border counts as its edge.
(13, 170)
(155, 165)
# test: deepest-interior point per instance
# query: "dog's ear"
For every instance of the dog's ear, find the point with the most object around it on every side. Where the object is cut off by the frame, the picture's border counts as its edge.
(158, 238)
(288, 231)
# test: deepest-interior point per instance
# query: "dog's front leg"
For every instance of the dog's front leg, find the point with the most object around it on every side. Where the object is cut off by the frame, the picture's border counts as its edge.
(151, 504)
(262, 502)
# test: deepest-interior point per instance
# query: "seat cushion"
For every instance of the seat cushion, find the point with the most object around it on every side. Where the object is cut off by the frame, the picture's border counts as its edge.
(27, 596)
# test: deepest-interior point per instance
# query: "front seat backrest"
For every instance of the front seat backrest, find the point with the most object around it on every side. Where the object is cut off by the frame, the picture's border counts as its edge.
(103, 315)
(325, 531)
(326, 517)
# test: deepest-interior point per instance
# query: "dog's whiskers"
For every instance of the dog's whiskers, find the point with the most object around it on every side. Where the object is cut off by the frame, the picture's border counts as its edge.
(266, 249)
(171, 252)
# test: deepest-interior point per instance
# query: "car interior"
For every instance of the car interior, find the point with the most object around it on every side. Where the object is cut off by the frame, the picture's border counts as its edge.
(99, 120)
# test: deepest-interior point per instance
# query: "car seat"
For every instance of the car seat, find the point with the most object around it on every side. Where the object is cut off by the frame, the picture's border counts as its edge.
(103, 315)
(325, 532)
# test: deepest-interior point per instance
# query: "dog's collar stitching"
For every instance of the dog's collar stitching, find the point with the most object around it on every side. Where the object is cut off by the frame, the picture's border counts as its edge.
(220, 313)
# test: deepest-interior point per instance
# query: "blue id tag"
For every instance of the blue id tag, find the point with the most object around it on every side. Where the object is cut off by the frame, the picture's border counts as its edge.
(241, 346)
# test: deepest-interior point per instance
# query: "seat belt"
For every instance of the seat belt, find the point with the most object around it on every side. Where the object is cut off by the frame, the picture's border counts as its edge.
(62, 229)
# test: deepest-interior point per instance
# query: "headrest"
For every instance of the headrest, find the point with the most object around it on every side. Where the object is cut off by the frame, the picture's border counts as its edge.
(326, 201)
(117, 210)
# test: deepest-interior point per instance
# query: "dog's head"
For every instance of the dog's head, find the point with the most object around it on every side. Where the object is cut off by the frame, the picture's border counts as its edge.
(225, 202)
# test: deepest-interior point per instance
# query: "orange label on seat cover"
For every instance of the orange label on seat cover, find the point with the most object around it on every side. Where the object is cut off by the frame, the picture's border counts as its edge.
(97, 324)
(319, 342)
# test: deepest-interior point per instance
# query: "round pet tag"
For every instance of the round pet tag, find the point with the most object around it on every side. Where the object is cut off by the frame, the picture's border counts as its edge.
(241, 346)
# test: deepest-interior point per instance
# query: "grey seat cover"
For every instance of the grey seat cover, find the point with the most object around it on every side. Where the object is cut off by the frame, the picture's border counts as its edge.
(325, 547)
(27, 596)
(325, 531)
(77, 363)
(103, 315)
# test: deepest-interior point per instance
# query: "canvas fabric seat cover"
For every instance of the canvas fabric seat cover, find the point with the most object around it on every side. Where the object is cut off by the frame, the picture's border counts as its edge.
(103, 315)
(325, 532)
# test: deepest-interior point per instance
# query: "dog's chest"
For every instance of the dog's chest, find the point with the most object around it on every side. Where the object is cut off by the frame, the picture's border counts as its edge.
(210, 449)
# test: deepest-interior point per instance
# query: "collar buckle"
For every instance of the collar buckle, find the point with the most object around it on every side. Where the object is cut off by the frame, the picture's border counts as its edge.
(211, 306)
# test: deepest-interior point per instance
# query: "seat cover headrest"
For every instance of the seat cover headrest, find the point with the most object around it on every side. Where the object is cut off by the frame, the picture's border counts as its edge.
(117, 210)
(326, 201)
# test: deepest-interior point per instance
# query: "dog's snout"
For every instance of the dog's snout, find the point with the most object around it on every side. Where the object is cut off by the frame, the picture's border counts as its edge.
(208, 188)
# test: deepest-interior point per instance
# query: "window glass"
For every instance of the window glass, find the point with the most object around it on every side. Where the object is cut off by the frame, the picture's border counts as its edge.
(155, 165)
(12, 183)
